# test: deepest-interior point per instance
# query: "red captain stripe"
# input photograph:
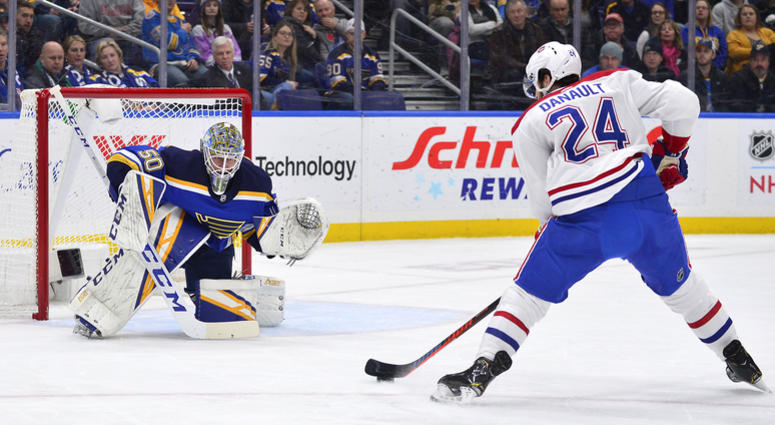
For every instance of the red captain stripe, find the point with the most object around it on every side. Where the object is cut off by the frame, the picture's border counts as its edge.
(707, 317)
(510, 317)
(601, 176)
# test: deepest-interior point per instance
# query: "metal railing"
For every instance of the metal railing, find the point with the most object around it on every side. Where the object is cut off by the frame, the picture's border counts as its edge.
(394, 47)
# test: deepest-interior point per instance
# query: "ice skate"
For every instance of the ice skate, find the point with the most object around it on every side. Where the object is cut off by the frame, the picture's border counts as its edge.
(741, 367)
(464, 386)
(82, 327)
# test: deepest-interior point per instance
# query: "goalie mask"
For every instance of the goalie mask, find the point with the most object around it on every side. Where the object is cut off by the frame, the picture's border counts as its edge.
(223, 148)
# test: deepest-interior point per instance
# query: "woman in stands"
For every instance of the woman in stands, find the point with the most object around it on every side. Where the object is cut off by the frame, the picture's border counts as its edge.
(298, 14)
(657, 17)
(75, 54)
(211, 25)
(748, 30)
(111, 59)
(673, 52)
(279, 63)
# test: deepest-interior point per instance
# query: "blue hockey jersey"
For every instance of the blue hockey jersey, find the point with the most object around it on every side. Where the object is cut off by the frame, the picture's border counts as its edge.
(248, 195)
(341, 65)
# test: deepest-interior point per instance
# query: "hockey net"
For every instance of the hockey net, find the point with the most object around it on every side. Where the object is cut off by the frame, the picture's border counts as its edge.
(53, 197)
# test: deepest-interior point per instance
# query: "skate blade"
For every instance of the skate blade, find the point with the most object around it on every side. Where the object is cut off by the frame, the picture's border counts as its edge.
(444, 395)
(761, 385)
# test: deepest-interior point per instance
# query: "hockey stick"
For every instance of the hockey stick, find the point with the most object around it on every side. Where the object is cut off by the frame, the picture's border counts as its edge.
(386, 371)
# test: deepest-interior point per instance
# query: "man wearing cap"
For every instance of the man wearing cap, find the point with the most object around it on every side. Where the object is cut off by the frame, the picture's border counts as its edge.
(710, 83)
(652, 66)
(613, 30)
(752, 88)
(635, 15)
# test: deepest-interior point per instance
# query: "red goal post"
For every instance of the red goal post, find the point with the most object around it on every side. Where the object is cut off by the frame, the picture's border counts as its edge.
(67, 206)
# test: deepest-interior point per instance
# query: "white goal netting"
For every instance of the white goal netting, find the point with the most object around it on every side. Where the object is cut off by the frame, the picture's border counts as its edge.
(79, 210)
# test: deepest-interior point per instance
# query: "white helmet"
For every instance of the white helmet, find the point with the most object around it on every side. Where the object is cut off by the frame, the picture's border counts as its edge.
(559, 59)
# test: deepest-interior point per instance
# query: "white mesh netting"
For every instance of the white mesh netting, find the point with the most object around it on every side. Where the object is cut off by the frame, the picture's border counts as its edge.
(81, 215)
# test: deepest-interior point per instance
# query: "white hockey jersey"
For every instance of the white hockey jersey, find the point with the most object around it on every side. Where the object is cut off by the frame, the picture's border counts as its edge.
(580, 145)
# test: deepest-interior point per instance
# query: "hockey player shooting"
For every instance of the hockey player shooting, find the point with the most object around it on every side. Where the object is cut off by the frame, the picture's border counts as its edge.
(182, 208)
(583, 153)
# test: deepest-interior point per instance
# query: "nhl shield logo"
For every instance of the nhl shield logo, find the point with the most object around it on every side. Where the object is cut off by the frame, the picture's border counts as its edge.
(762, 145)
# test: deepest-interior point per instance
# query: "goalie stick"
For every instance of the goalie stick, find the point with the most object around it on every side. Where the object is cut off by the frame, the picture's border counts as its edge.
(386, 371)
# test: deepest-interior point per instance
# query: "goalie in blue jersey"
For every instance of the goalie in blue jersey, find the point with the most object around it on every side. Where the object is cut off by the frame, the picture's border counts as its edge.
(210, 196)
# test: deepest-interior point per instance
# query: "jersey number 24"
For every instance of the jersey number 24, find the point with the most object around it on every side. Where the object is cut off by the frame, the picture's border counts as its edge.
(606, 130)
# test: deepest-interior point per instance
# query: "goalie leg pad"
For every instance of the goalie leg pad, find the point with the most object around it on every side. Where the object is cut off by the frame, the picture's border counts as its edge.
(252, 298)
(110, 298)
(271, 301)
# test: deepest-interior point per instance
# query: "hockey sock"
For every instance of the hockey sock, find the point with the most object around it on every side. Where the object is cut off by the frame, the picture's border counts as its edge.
(703, 313)
(517, 312)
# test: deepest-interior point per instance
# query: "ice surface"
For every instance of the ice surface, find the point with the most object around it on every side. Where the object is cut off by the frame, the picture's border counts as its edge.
(611, 354)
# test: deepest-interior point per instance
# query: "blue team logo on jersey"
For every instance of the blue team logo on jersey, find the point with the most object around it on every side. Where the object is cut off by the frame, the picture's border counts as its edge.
(762, 145)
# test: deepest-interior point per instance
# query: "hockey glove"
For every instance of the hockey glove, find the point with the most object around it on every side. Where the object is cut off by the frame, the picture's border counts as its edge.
(672, 168)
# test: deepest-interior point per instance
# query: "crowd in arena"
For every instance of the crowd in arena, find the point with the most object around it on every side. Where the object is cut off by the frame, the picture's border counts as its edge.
(306, 47)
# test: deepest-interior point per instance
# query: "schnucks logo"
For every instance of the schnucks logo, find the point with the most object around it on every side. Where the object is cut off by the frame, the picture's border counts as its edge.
(762, 146)
(464, 148)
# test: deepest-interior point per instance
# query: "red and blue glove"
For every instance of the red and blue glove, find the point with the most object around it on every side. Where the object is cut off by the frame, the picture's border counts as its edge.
(672, 168)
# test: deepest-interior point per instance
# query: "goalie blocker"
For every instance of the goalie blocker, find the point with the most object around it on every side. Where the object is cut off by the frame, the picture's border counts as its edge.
(230, 308)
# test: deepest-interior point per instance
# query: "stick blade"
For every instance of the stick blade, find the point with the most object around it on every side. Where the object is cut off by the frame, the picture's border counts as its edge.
(382, 370)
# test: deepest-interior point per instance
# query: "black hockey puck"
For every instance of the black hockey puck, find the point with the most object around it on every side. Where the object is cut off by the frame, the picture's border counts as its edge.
(384, 379)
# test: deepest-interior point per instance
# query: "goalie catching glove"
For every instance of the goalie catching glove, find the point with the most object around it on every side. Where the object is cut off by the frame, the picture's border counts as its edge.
(296, 230)
(671, 168)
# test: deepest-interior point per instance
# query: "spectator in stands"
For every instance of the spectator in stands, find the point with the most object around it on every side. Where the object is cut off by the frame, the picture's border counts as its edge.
(725, 14)
(122, 15)
(115, 72)
(308, 46)
(706, 30)
(673, 50)
(634, 13)
(652, 65)
(753, 87)
(441, 15)
(224, 72)
(330, 29)
(710, 83)
(210, 26)
(4, 69)
(341, 67)
(279, 64)
(52, 23)
(48, 69)
(658, 15)
(29, 41)
(558, 25)
(238, 15)
(610, 56)
(613, 30)
(75, 56)
(182, 56)
(749, 31)
(512, 45)
(4, 18)
(151, 5)
(483, 20)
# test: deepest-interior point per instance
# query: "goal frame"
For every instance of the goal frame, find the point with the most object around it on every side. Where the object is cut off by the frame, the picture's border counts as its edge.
(42, 192)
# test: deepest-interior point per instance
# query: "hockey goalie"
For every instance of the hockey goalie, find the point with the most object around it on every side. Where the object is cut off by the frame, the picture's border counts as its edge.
(177, 208)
